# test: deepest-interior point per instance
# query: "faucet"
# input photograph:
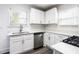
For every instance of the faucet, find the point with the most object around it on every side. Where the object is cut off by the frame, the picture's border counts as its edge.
(21, 27)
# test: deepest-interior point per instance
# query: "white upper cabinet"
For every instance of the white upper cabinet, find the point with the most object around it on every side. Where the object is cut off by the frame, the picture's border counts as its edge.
(41, 17)
(36, 16)
(16, 44)
(51, 16)
(68, 16)
(53, 38)
(78, 15)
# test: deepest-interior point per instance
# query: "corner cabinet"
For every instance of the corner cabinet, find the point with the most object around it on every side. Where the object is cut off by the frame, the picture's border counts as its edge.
(36, 16)
(51, 16)
(53, 38)
(43, 17)
(19, 44)
(46, 39)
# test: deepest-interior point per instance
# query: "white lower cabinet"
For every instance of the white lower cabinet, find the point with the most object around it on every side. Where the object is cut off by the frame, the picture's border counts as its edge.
(19, 44)
(53, 38)
(28, 42)
(46, 39)
(16, 47)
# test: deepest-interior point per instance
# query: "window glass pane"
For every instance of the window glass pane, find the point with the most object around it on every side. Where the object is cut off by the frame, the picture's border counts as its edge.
(17, 17)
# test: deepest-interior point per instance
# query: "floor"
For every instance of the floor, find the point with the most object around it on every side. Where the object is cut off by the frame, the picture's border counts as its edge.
(42, 50)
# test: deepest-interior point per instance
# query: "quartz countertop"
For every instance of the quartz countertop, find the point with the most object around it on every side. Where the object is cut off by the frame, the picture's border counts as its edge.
(65, 48)
(68, 33)
(23, 33)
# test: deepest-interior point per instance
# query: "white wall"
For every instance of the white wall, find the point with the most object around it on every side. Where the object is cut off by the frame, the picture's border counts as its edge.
(5, 21)
(38, 28)
(5, 29)
(61, 8)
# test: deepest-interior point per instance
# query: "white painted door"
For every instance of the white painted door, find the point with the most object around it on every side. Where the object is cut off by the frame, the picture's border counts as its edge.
(16, 44)
(47, 17)
(52, 42)
(36, 16)
(41, 17)
(46, 39)
(16, 47)
(52, 16)
(28, 42)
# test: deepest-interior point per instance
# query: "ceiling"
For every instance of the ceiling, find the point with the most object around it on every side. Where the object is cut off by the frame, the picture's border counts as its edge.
(43, 6)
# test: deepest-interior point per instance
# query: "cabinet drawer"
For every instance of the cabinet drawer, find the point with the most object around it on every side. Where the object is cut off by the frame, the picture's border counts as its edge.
(16, 38)
(16, 47)
(28, 37)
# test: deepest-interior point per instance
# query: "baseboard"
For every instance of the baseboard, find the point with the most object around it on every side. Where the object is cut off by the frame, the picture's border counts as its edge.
(26, 51)
(4, 51)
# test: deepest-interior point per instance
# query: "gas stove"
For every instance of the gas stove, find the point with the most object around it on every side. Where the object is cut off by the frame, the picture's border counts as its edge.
(74, 40)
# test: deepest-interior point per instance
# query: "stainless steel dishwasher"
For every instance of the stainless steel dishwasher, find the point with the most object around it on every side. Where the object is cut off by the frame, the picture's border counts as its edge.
(38, 40)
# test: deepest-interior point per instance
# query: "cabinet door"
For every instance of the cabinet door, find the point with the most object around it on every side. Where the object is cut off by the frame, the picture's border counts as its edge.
(16, 44)
(28, 42)
(68, 17)
(36, 16)
(47, 17)
(51, 16)
(46, 39)
(41, 17)
(16, 47)
(52, 42)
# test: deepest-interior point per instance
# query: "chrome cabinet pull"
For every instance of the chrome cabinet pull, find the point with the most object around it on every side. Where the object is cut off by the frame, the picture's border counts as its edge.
(22, 41)
(49, 37)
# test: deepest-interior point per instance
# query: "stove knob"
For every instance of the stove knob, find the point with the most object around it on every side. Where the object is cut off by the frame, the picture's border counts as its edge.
(65, 40)
(69, 42)
(77, 44)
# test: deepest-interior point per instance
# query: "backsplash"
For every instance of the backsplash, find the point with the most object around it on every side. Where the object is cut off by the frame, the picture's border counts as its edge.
(62, 28)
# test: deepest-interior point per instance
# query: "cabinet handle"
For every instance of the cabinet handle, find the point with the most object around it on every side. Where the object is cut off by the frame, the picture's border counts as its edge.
(49, 38)
(49, 21)
(22, 41)
(40, 21)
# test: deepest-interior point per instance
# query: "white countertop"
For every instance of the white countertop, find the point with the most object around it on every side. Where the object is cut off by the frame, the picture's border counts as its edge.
(69, 33)
(66, 48)
(23, 33)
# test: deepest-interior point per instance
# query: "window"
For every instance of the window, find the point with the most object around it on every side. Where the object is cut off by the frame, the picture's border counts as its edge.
(17, 17)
